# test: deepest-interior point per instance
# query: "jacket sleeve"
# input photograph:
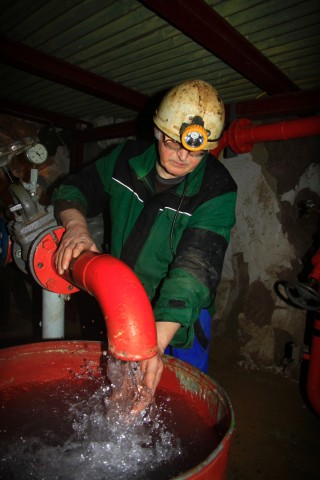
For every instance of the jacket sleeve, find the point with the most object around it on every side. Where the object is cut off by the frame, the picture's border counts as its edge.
(196, 270)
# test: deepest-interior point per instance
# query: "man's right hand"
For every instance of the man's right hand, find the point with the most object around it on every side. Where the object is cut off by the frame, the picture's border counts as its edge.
(75, 239)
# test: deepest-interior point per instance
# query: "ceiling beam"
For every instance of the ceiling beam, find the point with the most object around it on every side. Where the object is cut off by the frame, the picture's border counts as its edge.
(41, 116)
(114, 130)
(275, 106)
(200, 22)
(292, 104)
(285, 105)
(21, 56)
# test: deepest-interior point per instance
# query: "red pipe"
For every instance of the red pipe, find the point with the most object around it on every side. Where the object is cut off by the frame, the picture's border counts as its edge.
(315, 261)
(123, 300)
(313, 378)
(242, 135)
(126, 308)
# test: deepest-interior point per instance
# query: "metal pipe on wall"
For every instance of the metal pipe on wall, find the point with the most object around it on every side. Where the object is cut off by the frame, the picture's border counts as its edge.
(52, 315)
(242, 135)
(313, 377)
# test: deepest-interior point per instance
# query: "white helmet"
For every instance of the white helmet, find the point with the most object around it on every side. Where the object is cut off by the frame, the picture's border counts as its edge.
(192, 113)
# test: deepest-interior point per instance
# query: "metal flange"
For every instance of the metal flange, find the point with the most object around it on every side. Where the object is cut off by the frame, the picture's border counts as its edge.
(41, 262)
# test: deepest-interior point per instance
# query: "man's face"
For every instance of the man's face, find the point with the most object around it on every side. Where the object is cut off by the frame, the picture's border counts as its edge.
(176, 163)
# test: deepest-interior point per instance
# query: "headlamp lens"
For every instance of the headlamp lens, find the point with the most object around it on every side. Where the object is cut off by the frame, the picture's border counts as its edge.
(194, 137)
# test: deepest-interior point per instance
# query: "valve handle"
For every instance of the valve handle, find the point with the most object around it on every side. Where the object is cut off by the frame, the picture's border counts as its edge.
(299, 295)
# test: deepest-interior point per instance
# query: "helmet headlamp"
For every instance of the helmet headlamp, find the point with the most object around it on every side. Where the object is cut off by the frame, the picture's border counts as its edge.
(193, 135)
(192, 114)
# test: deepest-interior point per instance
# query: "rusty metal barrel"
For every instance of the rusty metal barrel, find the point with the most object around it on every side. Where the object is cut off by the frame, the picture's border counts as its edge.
(51, 361)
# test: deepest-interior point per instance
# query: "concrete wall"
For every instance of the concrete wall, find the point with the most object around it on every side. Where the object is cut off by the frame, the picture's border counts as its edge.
(277, 219)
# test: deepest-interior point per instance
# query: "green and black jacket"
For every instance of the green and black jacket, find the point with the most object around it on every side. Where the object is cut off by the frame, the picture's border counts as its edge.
(175, 241)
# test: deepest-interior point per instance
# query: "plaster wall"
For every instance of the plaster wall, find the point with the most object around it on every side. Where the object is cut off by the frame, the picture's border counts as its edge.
(277, 225)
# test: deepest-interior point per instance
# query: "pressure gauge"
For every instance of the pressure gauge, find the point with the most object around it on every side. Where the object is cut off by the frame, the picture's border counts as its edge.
(37, 153)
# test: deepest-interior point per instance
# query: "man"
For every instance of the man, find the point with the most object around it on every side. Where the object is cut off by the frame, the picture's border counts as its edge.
(171, 205)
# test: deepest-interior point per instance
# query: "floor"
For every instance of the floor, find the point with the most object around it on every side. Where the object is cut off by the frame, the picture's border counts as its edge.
(276, 436)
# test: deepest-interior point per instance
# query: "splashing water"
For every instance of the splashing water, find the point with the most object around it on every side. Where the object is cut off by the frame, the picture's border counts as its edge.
(106, 431)
(129, 434)
(130, 397)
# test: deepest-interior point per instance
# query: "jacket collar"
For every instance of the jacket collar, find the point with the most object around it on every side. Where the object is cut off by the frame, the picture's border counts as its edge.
(142, 164)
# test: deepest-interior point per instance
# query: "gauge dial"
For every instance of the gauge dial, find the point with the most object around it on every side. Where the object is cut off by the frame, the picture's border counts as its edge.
(37, 153)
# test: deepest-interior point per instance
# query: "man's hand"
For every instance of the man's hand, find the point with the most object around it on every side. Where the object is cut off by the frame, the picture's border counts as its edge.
(153, 367)
(152, 370)
(75, 239)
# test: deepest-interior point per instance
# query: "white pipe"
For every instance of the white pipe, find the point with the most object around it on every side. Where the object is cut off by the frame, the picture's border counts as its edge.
(52, 315)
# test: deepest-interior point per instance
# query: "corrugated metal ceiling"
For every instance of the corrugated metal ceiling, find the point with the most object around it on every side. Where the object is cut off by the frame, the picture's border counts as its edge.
(126, 42)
